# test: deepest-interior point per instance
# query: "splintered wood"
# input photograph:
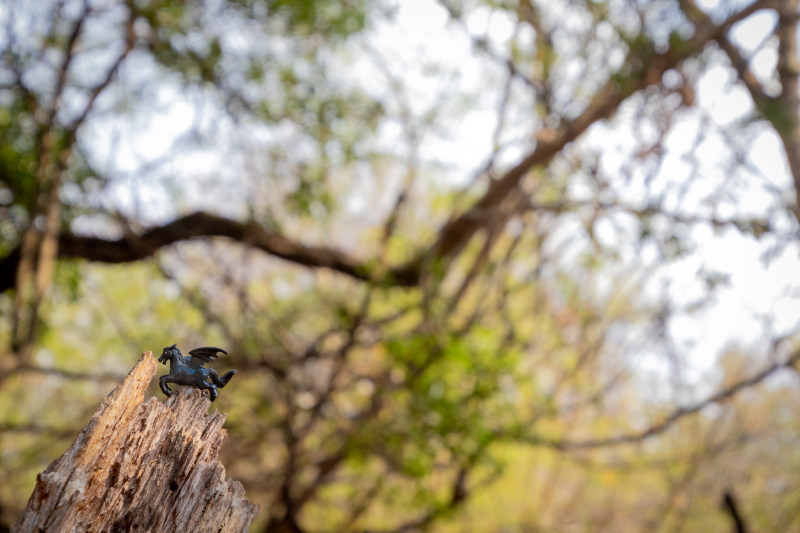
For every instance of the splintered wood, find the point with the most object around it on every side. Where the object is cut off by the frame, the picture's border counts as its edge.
(141, 467)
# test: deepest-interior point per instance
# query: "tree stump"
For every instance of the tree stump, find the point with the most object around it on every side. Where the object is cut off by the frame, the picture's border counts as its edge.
(141, 467)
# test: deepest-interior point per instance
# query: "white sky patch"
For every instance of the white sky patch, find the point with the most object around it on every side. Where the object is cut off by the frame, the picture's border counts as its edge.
(751, 36)
(725, 102)
(426, 50)
(751, 33)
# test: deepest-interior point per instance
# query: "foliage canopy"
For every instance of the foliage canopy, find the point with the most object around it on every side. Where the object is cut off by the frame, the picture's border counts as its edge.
(456, 258)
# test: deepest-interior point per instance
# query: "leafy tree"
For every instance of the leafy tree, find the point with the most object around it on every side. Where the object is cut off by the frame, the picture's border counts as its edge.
(410, 316)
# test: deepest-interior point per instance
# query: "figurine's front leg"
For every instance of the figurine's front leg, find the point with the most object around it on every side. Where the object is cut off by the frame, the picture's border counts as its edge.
(163, 384)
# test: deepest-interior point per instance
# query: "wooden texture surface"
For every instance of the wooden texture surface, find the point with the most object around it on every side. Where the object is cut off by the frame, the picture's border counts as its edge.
(141, 467)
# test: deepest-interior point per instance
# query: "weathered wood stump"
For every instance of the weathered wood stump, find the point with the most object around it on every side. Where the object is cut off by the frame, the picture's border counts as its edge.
(141, 467)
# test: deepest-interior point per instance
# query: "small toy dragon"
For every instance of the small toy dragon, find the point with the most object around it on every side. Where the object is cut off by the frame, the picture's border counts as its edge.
(189, 371)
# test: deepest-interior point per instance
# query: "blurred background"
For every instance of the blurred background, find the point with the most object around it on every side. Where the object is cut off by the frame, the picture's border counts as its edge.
(490, 266)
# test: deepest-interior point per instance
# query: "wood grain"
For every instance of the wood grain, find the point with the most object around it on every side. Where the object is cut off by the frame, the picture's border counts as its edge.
(142, 467)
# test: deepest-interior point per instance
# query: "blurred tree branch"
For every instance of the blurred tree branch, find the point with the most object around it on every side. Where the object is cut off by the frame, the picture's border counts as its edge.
(731, 506)
(132, 248)
(678, 414)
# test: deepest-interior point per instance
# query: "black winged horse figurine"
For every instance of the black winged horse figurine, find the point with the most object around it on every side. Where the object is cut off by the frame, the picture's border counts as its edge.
(189, 370)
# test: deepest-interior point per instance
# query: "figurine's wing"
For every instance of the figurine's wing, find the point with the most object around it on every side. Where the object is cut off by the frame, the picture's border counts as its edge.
(203, 355)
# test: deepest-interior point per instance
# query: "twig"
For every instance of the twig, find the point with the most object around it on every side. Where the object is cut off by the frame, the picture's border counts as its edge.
(679, 413)
(730, 505)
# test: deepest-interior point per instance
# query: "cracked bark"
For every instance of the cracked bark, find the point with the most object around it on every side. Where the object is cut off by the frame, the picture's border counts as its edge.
(138, 466)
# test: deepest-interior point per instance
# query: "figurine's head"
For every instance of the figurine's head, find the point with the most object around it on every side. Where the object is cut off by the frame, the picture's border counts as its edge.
(168, 353)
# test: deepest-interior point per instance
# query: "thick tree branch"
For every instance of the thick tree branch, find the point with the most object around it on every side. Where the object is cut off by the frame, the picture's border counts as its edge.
(198, 225)
(788, 71)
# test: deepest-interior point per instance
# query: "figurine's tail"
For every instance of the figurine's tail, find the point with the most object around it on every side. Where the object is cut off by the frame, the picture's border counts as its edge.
(221, 381)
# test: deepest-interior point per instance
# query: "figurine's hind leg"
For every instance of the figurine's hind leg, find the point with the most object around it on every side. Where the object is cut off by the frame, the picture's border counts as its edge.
(211, 389)
(220, 381)
(163, 384)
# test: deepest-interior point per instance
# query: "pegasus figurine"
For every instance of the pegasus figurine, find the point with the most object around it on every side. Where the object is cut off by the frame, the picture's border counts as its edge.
(189, 371)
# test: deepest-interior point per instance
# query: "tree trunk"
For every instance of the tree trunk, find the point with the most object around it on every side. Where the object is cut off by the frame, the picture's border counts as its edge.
(141, 467)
